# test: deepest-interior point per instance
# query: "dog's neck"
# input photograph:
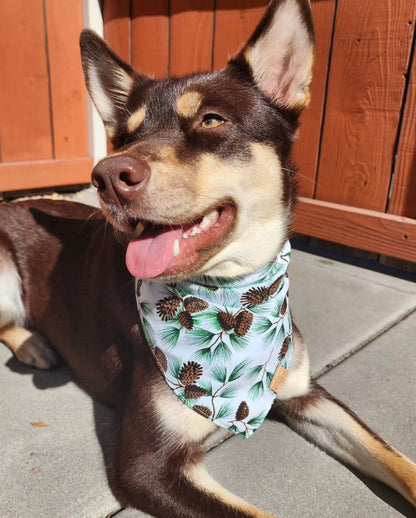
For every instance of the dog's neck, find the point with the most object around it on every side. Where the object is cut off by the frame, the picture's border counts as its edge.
(223, 345)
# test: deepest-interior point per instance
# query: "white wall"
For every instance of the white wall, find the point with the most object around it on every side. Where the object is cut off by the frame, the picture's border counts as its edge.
(97, 140)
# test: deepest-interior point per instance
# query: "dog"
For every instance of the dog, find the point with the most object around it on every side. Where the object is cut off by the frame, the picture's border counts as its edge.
(200, 186)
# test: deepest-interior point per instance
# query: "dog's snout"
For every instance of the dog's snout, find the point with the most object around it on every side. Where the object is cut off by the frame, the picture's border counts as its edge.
(120, 178)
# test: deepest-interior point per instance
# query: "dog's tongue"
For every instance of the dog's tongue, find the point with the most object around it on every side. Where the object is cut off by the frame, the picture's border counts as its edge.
(149, 256)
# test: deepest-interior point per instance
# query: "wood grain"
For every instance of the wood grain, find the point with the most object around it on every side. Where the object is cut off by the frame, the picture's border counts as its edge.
(68, 98)
(235, 21)
(49, 173)
(117, 27)
(360, 228)
(25, 129)
(403, 199)
(306, 149)
(366, 83)
(191, 36)
(150, 37)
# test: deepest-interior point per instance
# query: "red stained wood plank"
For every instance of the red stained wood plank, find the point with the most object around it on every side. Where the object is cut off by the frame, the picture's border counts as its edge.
(370, 56)
(49, 173)
(235, 21)
(394, 236)
(306, 149)
(403, 199)
(69, 112)
(117, 27)
(25, 130)
(191, 36)
(150, 37)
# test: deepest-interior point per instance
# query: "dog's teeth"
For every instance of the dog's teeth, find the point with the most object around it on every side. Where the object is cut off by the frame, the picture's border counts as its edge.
(195, 231)
(185, 236)
(209, 220)
(176, 248)
(139, 229)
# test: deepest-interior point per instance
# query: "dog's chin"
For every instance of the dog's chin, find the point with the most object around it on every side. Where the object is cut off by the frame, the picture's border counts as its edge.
(172, 252)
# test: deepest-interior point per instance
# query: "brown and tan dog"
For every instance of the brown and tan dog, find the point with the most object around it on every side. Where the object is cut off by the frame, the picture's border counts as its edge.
(214, 146)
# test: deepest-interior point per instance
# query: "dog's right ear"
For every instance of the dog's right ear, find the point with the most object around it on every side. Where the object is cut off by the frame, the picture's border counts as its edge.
(108, 78)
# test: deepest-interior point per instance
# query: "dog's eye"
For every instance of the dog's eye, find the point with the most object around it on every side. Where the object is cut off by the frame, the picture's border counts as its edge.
(212, 121)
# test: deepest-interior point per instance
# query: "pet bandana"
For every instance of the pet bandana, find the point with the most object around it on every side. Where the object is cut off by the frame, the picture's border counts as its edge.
(223, 345)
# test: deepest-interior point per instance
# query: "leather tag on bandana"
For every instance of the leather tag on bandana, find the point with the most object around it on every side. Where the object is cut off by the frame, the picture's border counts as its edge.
(279, 377)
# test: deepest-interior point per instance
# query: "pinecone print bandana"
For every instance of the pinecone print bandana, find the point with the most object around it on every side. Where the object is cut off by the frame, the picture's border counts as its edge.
(218, 342)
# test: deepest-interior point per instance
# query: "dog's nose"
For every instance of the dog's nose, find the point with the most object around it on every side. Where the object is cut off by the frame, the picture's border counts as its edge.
(120, 178)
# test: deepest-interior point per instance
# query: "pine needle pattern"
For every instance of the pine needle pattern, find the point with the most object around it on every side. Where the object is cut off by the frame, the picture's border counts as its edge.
(218, 342)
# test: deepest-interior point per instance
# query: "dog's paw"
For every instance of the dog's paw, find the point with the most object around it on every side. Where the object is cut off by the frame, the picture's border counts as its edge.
(35, 352)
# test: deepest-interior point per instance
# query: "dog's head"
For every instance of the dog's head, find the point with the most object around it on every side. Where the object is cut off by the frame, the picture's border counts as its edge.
(201, 165)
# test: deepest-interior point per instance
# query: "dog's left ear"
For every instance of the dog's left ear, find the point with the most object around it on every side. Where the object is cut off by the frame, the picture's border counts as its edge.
(280, 54)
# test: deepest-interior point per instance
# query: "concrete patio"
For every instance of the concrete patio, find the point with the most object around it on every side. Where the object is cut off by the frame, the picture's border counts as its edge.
(361, 330)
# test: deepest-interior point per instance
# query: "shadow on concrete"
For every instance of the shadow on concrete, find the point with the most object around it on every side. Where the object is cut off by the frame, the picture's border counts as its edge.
(42, 379)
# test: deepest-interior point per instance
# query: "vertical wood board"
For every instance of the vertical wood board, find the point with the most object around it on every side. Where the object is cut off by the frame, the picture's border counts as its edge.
(235, 21)
(403, 199)
(366, 83)
(191, 36)
(68, 97)
(150, 37)
(25, 130)
(117, 27)
(306, 149)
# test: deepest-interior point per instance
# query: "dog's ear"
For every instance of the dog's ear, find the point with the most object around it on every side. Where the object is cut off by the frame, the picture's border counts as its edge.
(280, 54)
(108, 78)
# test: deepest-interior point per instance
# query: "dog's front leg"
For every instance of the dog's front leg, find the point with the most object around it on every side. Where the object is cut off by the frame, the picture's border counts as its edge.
(335, 428)
(160, 462)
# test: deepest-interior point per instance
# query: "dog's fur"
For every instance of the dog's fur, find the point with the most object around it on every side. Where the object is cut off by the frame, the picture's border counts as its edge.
(183, 148)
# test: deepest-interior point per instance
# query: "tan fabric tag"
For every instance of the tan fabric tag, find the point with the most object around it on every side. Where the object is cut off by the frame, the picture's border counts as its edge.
(279, 377)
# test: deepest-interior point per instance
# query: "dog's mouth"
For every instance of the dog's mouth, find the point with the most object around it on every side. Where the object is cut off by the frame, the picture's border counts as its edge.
(163, 251)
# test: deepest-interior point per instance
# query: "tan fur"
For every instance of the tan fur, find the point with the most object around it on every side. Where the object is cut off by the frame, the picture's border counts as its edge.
(29, 348)
(105, 103)
(179, 420)
(399, 471)
(136, 119)
(187, 105)
(203, 480)
(286, 81)
(298, 381)
(210, 181)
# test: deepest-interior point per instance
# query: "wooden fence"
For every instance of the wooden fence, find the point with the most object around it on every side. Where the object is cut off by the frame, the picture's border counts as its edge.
(357, 142)
(43, 116)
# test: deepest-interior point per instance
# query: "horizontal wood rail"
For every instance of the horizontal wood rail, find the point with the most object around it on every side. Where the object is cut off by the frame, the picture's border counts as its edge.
(360, 228)
(16, 176)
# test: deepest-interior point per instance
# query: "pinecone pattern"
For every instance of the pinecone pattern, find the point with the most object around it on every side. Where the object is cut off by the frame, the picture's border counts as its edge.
(243, 323)
(167, 307)
(275, 286)
(195, 305)
(242, 411)
(217, 346)
(254, 296)
(185, 320)
(210, 288)
(194, 392)
(189, 373)
(226, 320)
(284, 349)
(161, 359)
(283, 309)
(203, 410)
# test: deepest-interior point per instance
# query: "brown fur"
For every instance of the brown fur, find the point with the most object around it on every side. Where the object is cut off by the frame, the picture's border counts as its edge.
(184, 147)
